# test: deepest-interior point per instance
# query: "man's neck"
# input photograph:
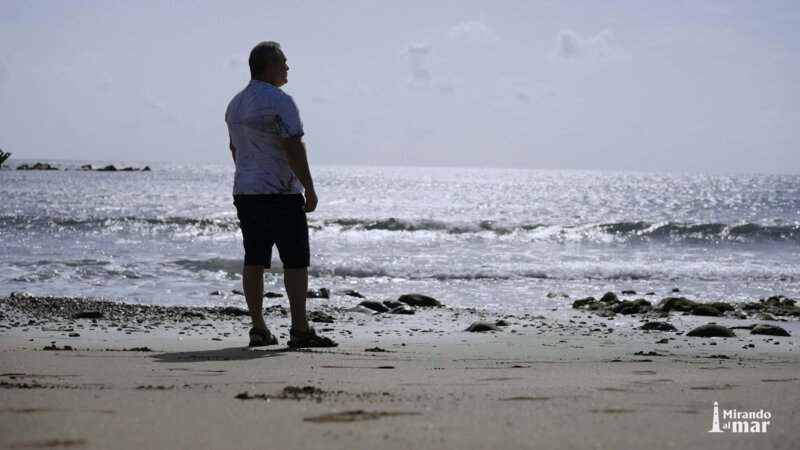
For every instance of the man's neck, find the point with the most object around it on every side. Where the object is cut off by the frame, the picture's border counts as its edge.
(264, 80)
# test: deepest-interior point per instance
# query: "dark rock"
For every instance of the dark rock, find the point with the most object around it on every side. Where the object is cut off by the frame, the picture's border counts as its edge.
(74, 335)
(629, 292)
(88, 315)
(478, 327)
(711, 330)
(765, 316)
(109, 168)
(272, 295)
(580, 303)
(650, 293)
(662, 341)
(770, 330)
(352, 293)
(675, 290)
(609, 297)
(677, 304)
(659, 326)
(37, 166)
(319, 293)
(722, 306)
(501, 323)
(193, 315)
(375, 306)
(146, 169)
(233, 311)
(320, 317)
(418, 300)
(361, 309)
(402, 309)
(776, 305)
(238, 292)
(391, 304)
(216, 293)
(706, 310)
(628, 307)
(86, 167)
(54, 347)
(557, 295)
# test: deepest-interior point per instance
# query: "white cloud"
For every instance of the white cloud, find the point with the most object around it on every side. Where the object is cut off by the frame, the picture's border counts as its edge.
(90, 59)
(417, 58)
(151, 103)
(104, 82)
(522, 89)
(237, 60)
(571, 46)
(474, 30)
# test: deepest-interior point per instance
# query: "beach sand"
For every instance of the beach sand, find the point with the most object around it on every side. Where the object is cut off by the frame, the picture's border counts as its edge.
(557, 379)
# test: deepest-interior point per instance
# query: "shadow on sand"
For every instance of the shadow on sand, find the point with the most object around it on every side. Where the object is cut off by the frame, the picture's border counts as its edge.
(223, 354)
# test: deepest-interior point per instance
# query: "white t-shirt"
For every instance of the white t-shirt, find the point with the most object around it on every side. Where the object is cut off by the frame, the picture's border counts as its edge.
(258, 118)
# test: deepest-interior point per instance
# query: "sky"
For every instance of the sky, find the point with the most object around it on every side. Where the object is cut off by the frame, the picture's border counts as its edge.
(673, 86)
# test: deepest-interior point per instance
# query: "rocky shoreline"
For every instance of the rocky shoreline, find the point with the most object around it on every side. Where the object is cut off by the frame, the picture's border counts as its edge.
(22, 310)
(84, 168)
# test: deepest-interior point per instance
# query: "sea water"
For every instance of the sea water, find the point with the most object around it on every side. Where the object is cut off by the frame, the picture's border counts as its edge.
(498, 239)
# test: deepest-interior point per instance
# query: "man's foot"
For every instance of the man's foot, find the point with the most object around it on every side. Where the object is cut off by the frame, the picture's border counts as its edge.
(261, 337)
(300, 339)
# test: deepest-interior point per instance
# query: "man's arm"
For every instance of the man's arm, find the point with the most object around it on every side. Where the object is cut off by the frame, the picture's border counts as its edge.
(233, 148)
(296, 156)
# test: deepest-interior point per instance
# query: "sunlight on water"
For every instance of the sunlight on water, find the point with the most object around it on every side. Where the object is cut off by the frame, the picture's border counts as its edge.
(471, 237)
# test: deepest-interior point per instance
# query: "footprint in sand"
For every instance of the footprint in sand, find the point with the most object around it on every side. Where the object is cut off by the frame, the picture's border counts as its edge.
(614, 411)
(49, 444)
(714, 388)
(356, 416)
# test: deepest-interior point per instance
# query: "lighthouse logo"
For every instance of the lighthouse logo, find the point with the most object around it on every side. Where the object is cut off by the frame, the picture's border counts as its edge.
(715, 423)
(736, 421)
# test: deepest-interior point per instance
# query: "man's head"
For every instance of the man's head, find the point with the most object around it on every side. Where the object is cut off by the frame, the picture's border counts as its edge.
(268, 64)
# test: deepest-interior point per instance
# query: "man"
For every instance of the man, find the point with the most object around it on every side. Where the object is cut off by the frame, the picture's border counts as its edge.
(271, 175)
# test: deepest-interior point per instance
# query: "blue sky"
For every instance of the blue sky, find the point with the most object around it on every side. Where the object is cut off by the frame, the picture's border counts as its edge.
(656, 86)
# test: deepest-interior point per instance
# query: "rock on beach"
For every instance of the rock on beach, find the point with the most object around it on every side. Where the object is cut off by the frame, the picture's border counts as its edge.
(479, 327)
(419, 300)
(769, 330)
(711, 330)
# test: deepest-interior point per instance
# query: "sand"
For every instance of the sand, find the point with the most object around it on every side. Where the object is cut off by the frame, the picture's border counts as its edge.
(556, 379)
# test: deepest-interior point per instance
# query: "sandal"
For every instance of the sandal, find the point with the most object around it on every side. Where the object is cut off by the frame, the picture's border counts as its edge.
(298, 339)
(261, 337)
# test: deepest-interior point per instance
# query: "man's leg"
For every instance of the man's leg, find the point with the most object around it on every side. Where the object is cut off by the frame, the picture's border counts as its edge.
(296, 283)
(253, 284)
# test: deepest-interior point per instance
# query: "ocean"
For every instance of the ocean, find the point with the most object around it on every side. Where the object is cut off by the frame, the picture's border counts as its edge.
(507, 240)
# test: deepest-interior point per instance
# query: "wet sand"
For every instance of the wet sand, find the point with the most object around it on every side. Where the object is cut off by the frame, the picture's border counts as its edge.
(184, 378)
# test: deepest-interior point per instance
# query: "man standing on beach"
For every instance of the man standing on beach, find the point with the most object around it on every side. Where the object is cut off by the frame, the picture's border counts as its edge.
(271, 175)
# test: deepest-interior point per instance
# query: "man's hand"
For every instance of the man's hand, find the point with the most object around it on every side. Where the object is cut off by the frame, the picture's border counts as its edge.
(311, 201)
(295, 152)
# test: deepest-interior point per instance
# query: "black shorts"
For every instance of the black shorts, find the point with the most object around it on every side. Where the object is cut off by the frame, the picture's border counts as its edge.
(268, 220)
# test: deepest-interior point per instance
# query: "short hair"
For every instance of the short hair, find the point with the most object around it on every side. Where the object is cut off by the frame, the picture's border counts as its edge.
(261, 54)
